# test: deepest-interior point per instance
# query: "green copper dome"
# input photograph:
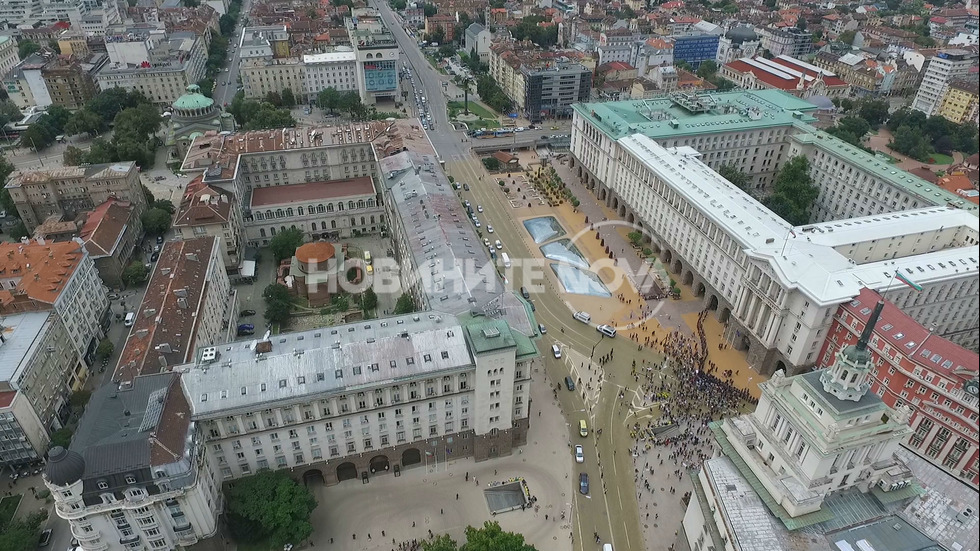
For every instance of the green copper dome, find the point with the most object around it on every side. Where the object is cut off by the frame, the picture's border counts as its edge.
(193, 99)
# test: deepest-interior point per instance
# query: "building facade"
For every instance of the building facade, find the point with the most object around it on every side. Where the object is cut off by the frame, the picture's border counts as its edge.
(695, 48)
(372, 398)
(787, 74)
(936, 76)
(377, 56)
(335, 70)
(111, 234)
(67, 191)
(40, 370)
(549, 92)
(261, 76)
(961, 102)
(329, 210)
(159, 66)
(149, 486)
(789, 41)
(913, 366)
(211, 211)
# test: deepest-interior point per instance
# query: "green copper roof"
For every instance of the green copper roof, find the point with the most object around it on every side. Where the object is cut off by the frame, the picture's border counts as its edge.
(488, 335)
(193, 99)
(686, 114)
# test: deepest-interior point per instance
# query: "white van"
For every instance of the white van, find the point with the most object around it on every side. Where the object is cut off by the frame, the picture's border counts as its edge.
(606, 330)
(130, 318)
(607, 547)
(583, 317)
(506, 260)
(556, 350)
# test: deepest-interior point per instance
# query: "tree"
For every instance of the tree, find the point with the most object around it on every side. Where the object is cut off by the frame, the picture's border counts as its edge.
(801, 23)
(148, 195)
(491, 163)
(429, 10)
(61, 437)
(108, 103)
(79, 398)
(851, 129)
(847, 37)
(274, 98)
(874, 111)
(156, 221)
(740, 179)
(447, 50)
(404, 304)
(105, 348)
(793, 192)
(268, 116)
(440, 543)
(85, 121)
(275, 504)
(492, 538)
(9, 112)
(73, 156)
(26, 48)
(288, 98)
(18, 231)
(6, 201)
(635, 238)
(21, 535)
(399, 5)
(328, 98)
(164, 204)
(135, 273)
(227, 24)
(369, 299)
(707, 69)
(285, 243)
(278, 303)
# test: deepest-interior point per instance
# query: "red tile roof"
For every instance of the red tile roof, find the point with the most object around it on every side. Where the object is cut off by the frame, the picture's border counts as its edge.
(203, 204)
(167, 440)
(913, 340)
(777, 76)
(41, 271)
(105, 226)
(311, 191)
(167, 320)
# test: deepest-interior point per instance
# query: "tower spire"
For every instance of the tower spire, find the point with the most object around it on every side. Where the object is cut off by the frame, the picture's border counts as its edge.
(862, 344)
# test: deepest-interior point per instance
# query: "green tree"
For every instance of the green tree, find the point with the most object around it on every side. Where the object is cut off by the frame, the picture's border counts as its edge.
(793, 192)
(148, 195)
(21, 535)
(105, 348)
(278, 303)
(274, 98)
(156, 221)
(491, 163)
(164, 204)
(85, 121)
(369, 299)
(277, 506)
(707, 69)
(328, 98)
(429, 10)
(874, 111)
(227, 24)
(404, 304)
(801, 23)
(268, 116)
(440, 543)
(18, 231)
(284, 244)
(851, 129)
(61, 437)
(399, 5)
(108, 103)
(9, 112)
(26, 48)
(635, 238)
(847, 37)
(492, 538)
(79, 398)
(740, 179)
(135, 273)
(288, 98)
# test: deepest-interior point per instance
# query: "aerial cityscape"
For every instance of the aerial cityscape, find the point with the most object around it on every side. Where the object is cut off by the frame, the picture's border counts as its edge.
(409, 275)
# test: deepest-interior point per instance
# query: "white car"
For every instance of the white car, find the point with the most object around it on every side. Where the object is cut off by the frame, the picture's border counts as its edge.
(489, 228)
(499, 245)
(519, 129)
(487, 243)
(479, 208)
(477, 222)
(579, 454)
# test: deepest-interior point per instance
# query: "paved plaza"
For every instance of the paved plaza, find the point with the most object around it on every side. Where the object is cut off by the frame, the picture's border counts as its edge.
(424, 497)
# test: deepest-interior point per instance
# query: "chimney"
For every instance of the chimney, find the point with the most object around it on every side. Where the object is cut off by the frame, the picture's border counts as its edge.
(191, 256)
(182, 303)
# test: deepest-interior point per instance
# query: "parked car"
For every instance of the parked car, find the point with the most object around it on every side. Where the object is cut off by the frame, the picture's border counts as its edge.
(154, 257)
(466, 187)
(246, 313)
(159, 240)
(246, 327)
(113, 296)
(583, 483)
(542, 329)
(579, 454)
(45, 538)
(569, 383)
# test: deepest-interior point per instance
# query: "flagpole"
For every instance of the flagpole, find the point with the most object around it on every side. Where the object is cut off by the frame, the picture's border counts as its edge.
(785, 241)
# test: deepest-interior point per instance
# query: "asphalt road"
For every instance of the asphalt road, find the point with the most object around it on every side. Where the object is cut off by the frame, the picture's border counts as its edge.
(224, 93)
(612, 513)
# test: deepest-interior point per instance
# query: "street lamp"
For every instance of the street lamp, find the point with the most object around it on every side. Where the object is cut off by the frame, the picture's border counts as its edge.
(36, 151)
(601, 336)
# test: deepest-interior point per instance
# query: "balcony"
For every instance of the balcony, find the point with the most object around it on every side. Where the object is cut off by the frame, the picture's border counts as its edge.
(93, 546)
(83, 536)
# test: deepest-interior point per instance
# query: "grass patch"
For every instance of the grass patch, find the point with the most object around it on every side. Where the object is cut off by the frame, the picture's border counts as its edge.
(940, 159)
(8, 506)
(475, 108)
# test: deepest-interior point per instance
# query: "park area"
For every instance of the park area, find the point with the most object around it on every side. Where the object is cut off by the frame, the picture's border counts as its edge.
(484, 117)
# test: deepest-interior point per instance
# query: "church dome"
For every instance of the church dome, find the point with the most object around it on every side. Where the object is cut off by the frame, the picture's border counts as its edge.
(64, 467)
(741, 33)
(193, 100)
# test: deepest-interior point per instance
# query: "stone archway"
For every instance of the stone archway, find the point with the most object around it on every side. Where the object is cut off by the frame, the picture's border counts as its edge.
(615, 203)
(699, 289)
(630, 218)
(346, 471)
(688, 277)
(313, 476)
(742, 343)
(379, 463)
(602, 194)
(411, 456)
(666, 257)
(622, 210)
(713, 302)
(725, 315)
(677, 266)
(781, 365)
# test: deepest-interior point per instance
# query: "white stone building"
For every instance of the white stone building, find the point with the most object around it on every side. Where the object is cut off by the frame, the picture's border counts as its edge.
(147, 60)
(941, 69)
(335, 70)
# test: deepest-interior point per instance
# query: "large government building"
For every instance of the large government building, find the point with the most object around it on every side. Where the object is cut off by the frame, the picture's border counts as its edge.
(778, 286)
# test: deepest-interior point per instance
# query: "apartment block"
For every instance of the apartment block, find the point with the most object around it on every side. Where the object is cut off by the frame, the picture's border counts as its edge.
(148, 60)
(65, 192)
(869, 76)
(189, 303)
(789, 41)
(549, 92)
(209, 211)
(936, 76)
(111, 233)
(377, 56)
(961, 102)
